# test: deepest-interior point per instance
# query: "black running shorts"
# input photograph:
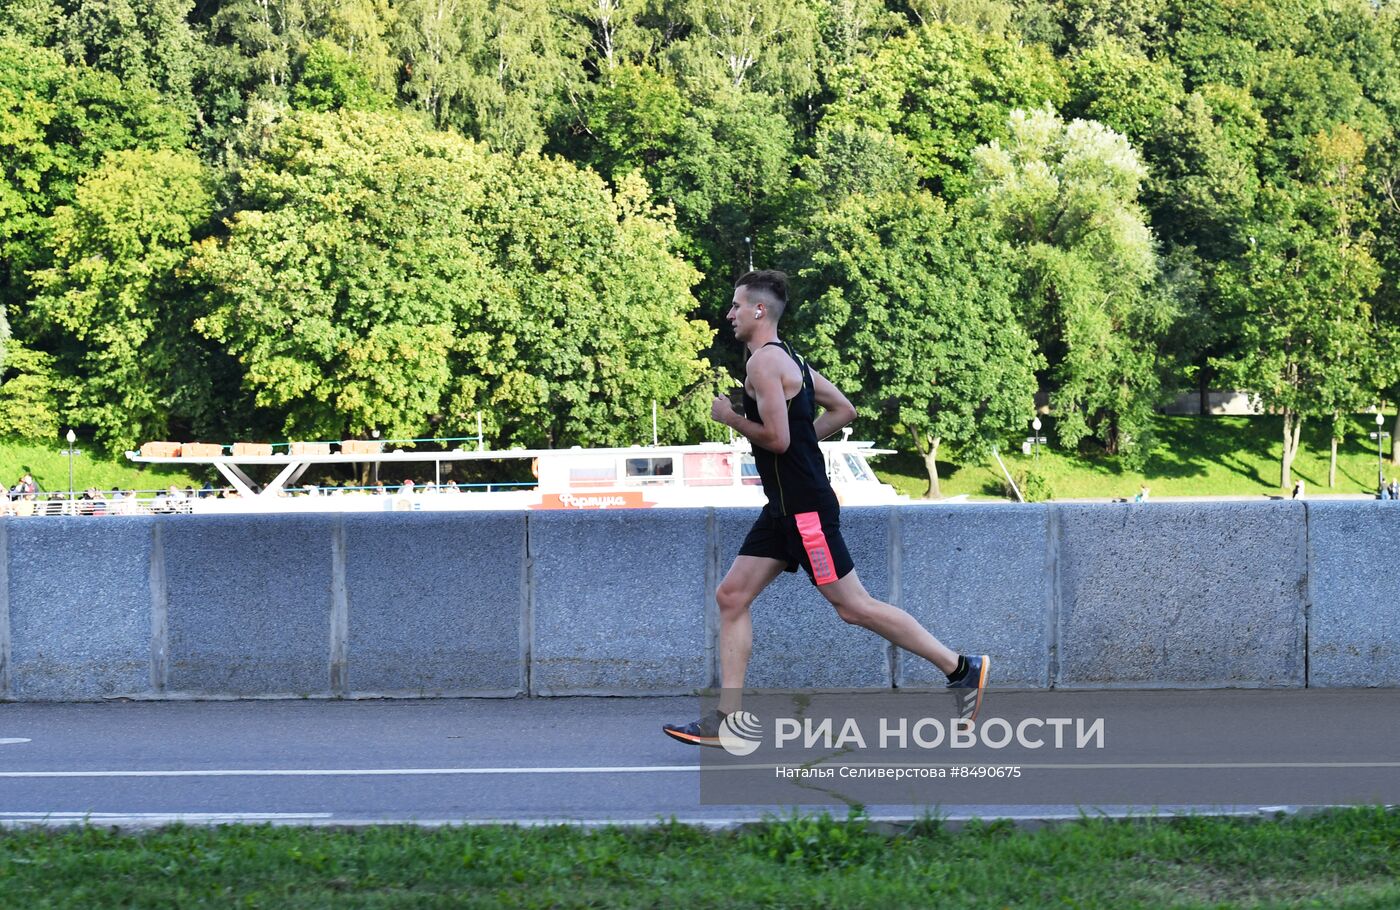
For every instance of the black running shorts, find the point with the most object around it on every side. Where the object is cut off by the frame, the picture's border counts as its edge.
(811, 540)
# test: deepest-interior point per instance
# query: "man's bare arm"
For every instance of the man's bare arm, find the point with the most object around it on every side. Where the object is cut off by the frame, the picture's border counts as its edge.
(766, 379)
(837, 409)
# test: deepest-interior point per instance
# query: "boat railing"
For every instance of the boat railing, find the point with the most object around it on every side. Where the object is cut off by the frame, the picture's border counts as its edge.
(162, 502)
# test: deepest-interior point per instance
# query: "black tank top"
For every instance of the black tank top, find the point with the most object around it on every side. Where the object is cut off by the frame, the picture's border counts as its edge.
(796, 480)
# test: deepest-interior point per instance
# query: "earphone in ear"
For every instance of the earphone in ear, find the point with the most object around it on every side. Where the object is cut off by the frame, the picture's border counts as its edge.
(758, 314)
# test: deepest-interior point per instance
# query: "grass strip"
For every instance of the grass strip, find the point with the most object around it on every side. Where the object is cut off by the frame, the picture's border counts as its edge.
(1193, 456)
(49, 466)
(1344, 859)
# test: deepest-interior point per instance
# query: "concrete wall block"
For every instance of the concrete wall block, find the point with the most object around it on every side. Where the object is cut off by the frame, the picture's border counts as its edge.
(1155, 595)
(977, 577)
(1354, 618)
(249, 603)
(798, 640)
(80, 607)
(1182, 594)
(435, 603)
(618, 602)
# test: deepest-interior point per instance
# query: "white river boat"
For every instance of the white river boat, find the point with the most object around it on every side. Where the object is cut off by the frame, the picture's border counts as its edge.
(635, 477)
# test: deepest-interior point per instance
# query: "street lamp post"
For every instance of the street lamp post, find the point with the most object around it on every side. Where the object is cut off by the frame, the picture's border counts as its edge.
(748, 242)
(1380, 451)
(72, 438)
(375, 434)
(1036, 439)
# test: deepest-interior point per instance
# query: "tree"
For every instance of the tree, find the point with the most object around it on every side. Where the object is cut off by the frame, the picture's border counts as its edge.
(360, 28)
(721, 159)
(1365, 40)
(378, 275)
(31, 393)
(636, 121)
(1065, 197)
(853, 30)
(147, 44)
(618, 39)
(1123, 89)
(111, 301)
(1069, 25)
(265, 37)
(331, 79)
(1201, 152)
(434, 39)
(33, 22)
(848, 159)
(1226, 42)
(1301, 303)
(1385, 186)
(979, 80)
(909, 310)
(56, 123)
(499, 72)
(1355, 373)
(315, 53)
(768, 46)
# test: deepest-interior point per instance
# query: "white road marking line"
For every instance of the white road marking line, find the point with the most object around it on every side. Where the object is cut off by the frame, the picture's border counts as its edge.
(13, 741)
(189, 816)
(664, 769)
(1135, 766)
(355, 772)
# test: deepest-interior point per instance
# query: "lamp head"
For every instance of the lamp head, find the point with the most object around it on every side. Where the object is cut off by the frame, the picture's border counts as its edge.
(72, 437)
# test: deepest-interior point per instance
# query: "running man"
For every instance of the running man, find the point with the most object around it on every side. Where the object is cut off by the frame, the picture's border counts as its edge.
(800, 525)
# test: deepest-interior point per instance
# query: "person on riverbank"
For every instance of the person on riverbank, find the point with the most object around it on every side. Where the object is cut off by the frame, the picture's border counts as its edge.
(800, 525)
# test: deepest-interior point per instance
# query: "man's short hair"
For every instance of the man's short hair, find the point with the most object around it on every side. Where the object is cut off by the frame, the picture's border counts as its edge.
(771, 283)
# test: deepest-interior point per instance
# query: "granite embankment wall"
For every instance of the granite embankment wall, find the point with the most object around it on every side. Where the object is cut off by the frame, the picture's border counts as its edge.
(1196, 595)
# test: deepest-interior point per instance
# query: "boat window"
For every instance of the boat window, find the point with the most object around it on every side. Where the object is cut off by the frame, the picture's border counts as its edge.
(649, 467)
(708, 469)
(858, 468)
(592, 474)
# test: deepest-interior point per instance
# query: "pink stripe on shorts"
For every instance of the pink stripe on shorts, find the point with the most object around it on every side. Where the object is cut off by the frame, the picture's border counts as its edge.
(809, 525)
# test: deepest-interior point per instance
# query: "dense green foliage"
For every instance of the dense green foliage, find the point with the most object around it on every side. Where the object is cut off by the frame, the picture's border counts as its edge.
(949, 363)
(1065, 197)
(111, 304)
(378, 274)
(267, 218)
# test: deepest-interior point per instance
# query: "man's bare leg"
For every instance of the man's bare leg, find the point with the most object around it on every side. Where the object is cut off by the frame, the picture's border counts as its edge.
(746, 579)
(855, 605)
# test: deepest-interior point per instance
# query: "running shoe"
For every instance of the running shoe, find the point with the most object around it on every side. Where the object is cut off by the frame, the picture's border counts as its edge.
(967, 692)
(702, 732)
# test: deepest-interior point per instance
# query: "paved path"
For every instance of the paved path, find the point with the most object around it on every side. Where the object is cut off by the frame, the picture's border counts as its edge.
(328, 762)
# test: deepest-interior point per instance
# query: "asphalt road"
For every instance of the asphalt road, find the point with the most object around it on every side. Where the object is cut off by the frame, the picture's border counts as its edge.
(588, 760)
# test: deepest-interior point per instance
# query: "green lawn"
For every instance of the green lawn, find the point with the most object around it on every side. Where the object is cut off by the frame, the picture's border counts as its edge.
(1346, 859)
(1196, 456)
(49, 465)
